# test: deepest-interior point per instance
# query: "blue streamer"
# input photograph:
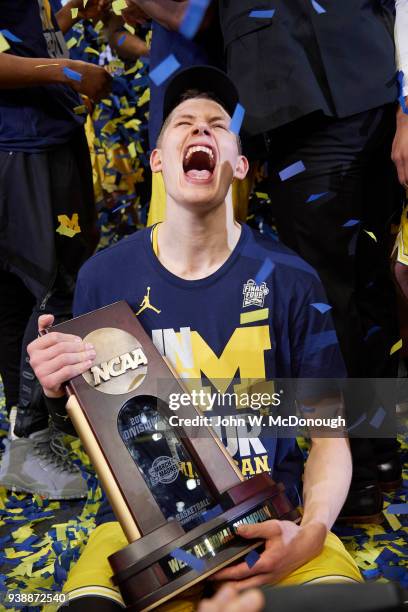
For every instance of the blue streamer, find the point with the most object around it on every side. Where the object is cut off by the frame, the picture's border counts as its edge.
(318, 342)
(316, 196)
(292, 170)
(237, 119)
(262, 14)
(252, 558)
(321, 307)
(397, 509)
(373, 330)
(12, 37)
(72, 74)
(181, 555)
(164, 70)
(318, 8)
(193, 18)
(212, 513)
(264, 271)
(351, 223)
(378, 418)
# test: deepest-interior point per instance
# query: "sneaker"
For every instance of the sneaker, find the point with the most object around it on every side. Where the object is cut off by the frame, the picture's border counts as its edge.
(40, 464)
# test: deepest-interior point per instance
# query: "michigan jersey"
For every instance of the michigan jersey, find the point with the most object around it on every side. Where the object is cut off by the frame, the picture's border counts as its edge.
(262, 315)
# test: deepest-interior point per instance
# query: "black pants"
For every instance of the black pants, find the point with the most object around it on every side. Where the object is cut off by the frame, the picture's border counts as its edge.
(42, 246)
(349, 162)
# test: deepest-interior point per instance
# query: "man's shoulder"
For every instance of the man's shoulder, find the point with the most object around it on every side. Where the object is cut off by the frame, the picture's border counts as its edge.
(270, 251)
(115, 257)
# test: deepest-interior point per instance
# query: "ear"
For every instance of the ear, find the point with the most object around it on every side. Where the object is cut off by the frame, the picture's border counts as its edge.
(241, 168)
(155, 160)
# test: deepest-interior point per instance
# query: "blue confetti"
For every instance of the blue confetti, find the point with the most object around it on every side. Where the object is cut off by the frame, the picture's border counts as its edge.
(378, 418)
(262, 14)
(358, 422)
(7, 34)
(321, 307)
(373, 330)
(72, 74)
(292, 170)
(122, 39)
(251, 558)
(353, 244)
(401, 97)
(264, 271)
(193, 18)
(319, 9)
(212, 513)
(393, 572)
(164, 70)
(320, 341)
(316, 196)
(237, 119)
(397, 509)
(386, 556)
(351, 223)
(181, 555)
(370, 574)
(386, 536)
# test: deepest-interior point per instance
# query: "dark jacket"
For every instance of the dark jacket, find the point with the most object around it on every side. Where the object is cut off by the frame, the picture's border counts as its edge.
(341, 62)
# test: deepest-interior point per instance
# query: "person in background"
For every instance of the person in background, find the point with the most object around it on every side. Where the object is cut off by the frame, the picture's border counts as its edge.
(47, 219)
(200, 255)
(318, 84)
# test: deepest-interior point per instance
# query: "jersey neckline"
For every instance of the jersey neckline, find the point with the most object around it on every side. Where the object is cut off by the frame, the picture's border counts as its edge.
(202, 282)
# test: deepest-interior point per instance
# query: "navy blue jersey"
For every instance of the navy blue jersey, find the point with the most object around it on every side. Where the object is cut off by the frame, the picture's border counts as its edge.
(252, 319)
(34, 119)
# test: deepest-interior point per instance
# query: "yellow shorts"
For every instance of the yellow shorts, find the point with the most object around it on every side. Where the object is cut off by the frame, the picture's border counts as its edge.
(91, 574)
(401, 243)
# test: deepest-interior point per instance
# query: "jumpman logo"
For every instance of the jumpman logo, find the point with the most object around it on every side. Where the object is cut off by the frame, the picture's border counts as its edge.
(146, 304)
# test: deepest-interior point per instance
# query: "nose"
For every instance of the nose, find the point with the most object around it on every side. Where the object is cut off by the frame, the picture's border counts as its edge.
(201, 129)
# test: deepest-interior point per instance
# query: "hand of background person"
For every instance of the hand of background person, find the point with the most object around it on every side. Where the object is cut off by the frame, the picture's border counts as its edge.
(56, 357)
(287, 547)
(227, 599)
(94, 9)
(134, 14)
(399, 154)
(96, 82)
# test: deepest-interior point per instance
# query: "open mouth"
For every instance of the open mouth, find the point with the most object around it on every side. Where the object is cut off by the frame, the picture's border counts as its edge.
(199, 162)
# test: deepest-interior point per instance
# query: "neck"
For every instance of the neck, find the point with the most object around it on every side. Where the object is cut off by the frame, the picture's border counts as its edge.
(193, 246)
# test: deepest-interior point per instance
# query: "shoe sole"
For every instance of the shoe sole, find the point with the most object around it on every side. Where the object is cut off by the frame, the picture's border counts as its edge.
(372, 519)
(15, 489)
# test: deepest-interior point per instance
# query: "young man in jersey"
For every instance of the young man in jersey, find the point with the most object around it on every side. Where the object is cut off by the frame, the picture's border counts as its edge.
(190, 281)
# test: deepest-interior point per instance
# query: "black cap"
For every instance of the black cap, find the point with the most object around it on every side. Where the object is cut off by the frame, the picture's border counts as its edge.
(204, 79)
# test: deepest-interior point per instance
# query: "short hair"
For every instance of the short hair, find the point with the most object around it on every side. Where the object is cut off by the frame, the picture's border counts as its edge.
(192, 94)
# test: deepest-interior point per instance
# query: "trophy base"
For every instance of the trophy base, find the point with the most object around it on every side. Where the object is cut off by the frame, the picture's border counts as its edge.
(148, 580)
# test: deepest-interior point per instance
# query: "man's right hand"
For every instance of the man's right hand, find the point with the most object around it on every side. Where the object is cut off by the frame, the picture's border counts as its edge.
(56, 357)
(96, 82)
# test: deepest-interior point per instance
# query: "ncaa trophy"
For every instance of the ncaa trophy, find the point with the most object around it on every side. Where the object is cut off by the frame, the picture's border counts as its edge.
(176, 492)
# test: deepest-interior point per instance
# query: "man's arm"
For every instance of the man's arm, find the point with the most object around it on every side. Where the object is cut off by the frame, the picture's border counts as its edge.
(18, 72)
(169, 14)
(327, 480)
(400, 144)
(126, 45)
(95, 9)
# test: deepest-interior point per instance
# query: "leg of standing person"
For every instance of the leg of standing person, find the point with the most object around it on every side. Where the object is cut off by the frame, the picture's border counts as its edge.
(16, 304)
(348, 188)
(47, 238)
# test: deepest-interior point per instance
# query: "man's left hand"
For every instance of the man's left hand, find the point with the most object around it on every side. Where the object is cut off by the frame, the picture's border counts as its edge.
(287, 547)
